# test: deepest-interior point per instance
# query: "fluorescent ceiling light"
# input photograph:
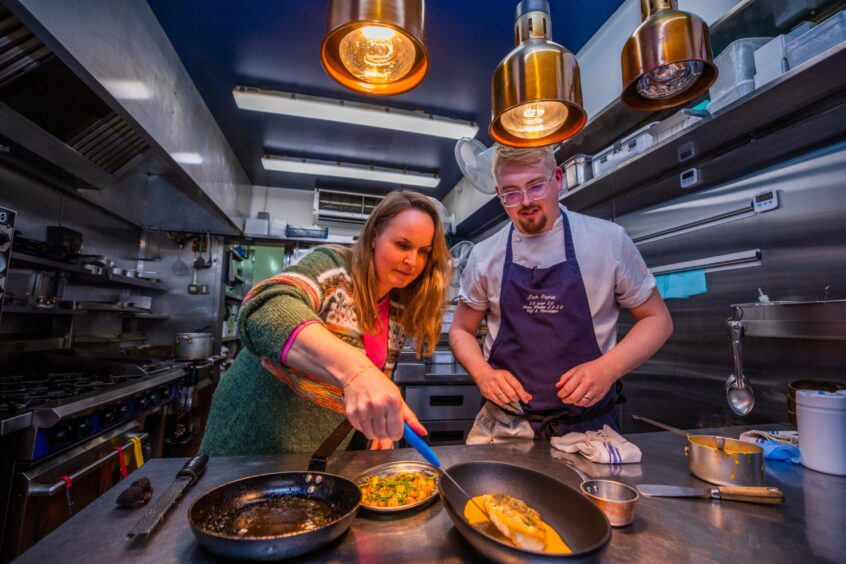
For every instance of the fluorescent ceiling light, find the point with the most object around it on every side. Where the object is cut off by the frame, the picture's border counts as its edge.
(348, 170)
(187, 158)
(299, 105)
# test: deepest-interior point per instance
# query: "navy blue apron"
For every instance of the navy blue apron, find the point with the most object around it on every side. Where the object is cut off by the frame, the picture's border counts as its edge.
(546, 329)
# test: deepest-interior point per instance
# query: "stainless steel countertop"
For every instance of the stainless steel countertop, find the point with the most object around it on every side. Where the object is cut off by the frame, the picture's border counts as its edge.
(808, 527)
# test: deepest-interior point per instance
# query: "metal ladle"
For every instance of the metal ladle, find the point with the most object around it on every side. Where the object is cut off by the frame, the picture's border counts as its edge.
(739, 394)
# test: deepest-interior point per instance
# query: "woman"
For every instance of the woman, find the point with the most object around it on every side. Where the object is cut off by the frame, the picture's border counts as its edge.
(322, 338)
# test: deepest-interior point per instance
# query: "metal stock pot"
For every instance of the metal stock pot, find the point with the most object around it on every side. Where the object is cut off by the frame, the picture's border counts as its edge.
(193, 346)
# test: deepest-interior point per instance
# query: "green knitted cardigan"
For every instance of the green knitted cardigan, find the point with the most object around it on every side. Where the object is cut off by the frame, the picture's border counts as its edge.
(254, 410)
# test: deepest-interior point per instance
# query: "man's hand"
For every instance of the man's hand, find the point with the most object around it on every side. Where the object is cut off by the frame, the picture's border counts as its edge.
(586, 384)
(501, 387)
(374, 406)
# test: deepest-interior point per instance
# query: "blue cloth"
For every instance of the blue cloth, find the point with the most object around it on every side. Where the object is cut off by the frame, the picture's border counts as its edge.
(775, 450)
(682, 284)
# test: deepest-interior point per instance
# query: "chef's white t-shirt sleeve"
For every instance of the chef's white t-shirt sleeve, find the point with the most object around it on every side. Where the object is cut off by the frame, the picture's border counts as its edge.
(634, 282)
(474, 287)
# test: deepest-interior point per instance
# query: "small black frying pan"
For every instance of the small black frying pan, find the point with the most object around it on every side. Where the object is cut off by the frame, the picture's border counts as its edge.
(580, 523)
(259, 517)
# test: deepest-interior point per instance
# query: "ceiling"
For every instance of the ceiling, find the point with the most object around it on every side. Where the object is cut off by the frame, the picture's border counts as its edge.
(275, 44)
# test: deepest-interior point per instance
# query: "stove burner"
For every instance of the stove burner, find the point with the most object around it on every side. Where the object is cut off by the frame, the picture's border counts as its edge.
(20, 392)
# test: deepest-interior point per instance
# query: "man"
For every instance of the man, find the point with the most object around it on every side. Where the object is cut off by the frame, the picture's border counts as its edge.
(551, 284)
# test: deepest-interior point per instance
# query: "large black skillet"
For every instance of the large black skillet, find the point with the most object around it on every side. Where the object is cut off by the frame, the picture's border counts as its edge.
(580, 523)
(211, 516)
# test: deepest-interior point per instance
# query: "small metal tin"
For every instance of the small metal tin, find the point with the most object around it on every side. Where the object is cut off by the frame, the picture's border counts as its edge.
(397, 467)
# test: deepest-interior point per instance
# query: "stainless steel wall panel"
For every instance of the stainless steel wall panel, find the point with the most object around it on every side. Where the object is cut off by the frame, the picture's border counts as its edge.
(803, 248)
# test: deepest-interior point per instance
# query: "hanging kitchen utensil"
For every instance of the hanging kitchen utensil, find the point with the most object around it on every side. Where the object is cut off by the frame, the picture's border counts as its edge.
(719, 460)
(739, 394)
(186, 477)
(759, 494)
(179, 267)
(193, 287)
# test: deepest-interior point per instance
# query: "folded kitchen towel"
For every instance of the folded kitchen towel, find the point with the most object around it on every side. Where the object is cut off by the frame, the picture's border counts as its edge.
(682, 284)
(605, 446)
(777, 445)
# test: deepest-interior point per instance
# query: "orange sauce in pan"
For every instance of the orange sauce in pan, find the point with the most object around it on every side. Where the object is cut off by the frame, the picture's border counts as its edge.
(731, 450)
(554, 542)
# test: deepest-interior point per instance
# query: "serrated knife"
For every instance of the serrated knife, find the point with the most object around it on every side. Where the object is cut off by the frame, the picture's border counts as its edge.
(749, 494)
(186, 477)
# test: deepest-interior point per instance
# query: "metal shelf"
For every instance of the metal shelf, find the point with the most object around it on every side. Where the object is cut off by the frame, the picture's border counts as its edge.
(803, 110)
(32, 345)
(748, 18)
(144, 315)
(124, 338)
(26, 310)
(77, 272)
(230, 338)
(19, 260)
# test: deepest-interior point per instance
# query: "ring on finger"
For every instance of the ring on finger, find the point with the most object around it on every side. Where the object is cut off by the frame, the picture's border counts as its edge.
(586, 397)
(499, 394)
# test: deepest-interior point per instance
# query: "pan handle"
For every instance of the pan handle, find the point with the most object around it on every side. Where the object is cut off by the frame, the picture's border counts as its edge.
(660, 425)
(750, 494)
(325, 450)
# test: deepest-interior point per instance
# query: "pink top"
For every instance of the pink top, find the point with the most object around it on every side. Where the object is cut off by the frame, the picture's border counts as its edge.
(375, 346)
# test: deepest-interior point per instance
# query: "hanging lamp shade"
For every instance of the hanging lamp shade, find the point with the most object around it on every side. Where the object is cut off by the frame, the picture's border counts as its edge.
(667, 61)
(376, 46)
(536, 93)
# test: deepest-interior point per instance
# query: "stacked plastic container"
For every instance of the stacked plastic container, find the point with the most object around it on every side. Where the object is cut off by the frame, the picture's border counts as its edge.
(737, 72)
(623, 150)
(817, 40)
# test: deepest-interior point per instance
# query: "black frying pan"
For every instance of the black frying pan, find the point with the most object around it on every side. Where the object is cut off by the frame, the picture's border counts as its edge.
(253, 518)
(580, 523)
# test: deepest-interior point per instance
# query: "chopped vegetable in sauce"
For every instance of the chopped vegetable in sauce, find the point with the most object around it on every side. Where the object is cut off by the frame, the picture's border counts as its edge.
(395, 490)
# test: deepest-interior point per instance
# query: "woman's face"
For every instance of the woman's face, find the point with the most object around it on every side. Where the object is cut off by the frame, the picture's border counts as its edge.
(401, 250)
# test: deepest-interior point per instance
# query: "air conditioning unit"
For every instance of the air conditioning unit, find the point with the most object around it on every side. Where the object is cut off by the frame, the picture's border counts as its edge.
(345, 207)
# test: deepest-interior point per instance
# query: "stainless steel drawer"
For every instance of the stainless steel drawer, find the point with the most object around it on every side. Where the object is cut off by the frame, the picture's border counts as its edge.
(446, 432)
(438, 403)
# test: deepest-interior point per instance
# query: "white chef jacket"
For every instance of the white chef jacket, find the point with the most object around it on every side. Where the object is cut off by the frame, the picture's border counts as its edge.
(612, 268)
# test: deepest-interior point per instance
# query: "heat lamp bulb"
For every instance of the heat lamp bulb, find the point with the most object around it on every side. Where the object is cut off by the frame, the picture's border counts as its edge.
(377, 54)
(535, 120)
(669, 80)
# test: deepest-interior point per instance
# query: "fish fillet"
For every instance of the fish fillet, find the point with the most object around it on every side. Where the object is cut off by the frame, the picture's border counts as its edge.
(516, 520)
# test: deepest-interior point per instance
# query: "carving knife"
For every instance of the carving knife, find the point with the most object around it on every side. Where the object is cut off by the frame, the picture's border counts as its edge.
(186, 477)
(750, 494)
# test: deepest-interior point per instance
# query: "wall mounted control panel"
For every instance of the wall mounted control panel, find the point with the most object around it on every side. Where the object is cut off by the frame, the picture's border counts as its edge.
(7, 232)
(765, 201)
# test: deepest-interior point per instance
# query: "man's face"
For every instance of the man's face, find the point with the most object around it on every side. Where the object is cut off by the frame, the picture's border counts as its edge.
(531, 216)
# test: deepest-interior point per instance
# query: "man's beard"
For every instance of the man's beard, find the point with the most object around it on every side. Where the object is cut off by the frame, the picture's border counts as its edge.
(532, 226)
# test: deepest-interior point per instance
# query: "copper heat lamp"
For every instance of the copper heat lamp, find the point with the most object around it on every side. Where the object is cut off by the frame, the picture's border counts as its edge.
(536, 93)
(375, 46)
(667, 61)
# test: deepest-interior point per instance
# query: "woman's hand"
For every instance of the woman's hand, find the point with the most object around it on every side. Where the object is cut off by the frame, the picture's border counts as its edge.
(381, 444)
(374, 406)
(501, 387)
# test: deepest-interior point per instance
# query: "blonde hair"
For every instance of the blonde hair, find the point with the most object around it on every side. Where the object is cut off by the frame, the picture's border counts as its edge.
(514, 155)
(423, 300)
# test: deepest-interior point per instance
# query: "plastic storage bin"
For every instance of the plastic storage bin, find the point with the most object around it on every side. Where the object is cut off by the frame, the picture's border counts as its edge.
(821, 38)
(623, 150)
(307, 232)
(771, 58)
(737, 72)
(821, 419)
(577, 171)
(679, 121)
